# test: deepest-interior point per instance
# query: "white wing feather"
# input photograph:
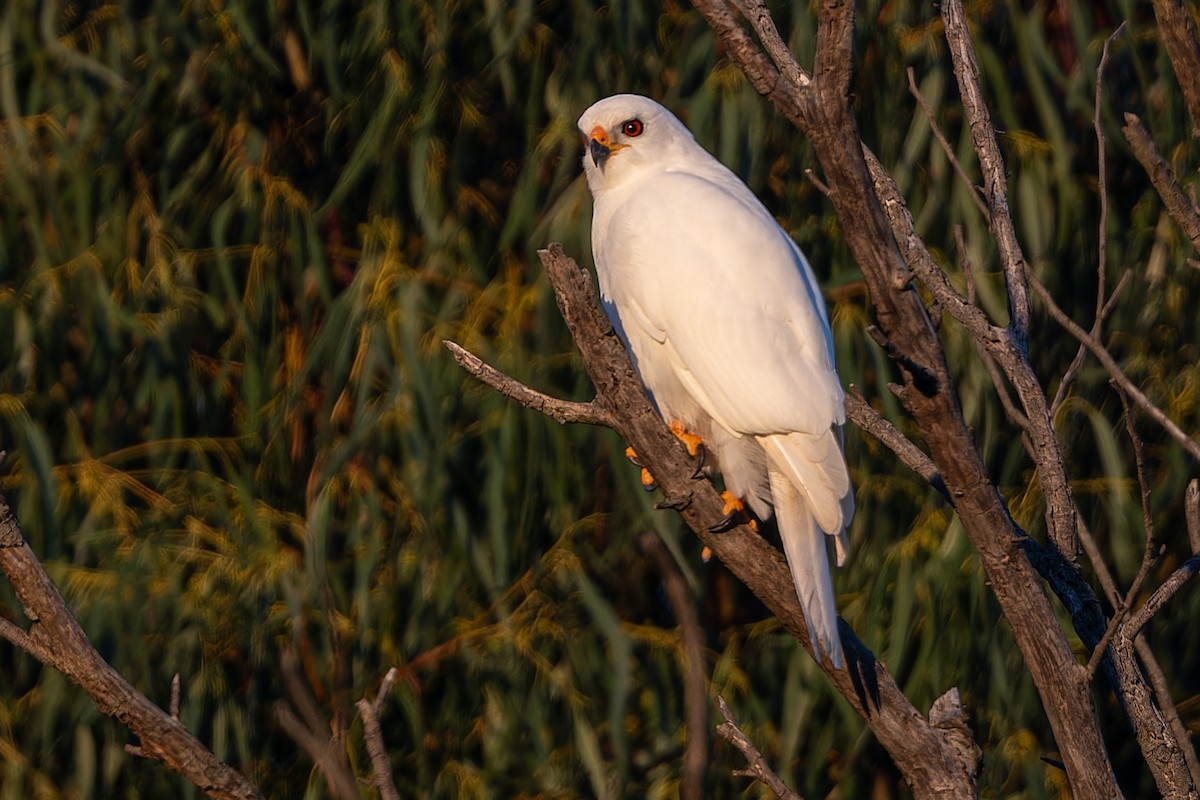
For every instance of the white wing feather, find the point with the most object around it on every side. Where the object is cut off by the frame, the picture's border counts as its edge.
(737, 301)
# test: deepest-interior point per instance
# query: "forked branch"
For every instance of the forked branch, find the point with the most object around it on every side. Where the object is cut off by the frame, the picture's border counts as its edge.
(55, 638)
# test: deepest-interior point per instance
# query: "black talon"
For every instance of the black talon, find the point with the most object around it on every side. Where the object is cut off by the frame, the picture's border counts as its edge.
(650, 487)
(727, 522)
(700, 453)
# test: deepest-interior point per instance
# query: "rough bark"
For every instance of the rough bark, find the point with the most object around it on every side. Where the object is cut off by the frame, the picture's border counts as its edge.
(56, 639)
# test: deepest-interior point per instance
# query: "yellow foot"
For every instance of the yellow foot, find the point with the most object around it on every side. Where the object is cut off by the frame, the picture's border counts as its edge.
(647, 478)
(735, 514)
(690, 440)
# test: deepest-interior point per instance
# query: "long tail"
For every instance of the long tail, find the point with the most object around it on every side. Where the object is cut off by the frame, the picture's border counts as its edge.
(807, 555)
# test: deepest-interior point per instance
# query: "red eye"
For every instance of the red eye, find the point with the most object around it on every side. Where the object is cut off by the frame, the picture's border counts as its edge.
(632, 127)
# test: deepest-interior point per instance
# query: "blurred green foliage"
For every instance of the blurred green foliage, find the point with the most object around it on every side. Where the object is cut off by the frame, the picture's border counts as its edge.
(232, 237)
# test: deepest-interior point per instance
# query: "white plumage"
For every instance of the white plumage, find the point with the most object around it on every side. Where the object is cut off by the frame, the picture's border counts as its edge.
(725, 324)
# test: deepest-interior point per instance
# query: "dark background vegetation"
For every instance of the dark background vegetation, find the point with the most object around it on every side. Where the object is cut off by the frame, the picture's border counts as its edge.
(232, 237)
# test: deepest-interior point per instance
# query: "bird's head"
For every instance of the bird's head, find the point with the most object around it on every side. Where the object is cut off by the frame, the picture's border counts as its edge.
(625, 135)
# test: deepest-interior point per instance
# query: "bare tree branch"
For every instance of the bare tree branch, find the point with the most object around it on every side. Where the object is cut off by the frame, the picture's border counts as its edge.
(1177, 28)
(1161, 595)
(56, 639)
(997, 343)
(758, 767)
(1012, 260)
(381, 766)
(1178, 205)
(1114, 370)
(561, 411)
(915, 91)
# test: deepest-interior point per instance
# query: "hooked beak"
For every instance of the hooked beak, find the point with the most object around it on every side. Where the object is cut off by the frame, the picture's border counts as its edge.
(599, 147)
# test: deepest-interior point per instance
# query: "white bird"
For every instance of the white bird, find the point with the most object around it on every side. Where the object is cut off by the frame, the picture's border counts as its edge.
(724, 322)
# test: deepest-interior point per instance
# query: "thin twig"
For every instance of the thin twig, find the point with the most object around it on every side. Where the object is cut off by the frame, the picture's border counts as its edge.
(17, 636)
(991, 163)
(817, 182)
(1150, 553)
(758, 767)
(175, 692)
(1178, 205)
(1114, 371)
(561, 411)
(972, 189)
(337, 774)
(1102, 244)
(871, 421)
(1161, 595)
(381, 766)
(965, 264)
(385, 688)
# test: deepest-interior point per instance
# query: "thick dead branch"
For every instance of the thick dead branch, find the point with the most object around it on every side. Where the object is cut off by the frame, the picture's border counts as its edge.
(56, 639)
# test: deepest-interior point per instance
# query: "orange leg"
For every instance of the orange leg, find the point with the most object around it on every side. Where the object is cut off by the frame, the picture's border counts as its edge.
(647, 478)
(735, 514)
(691, 441)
